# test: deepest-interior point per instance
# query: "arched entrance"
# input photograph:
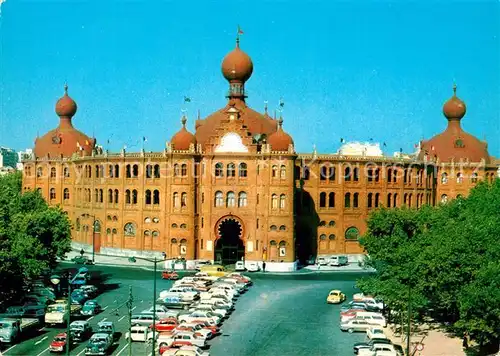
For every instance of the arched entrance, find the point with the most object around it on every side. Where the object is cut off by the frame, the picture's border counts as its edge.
(229, 247)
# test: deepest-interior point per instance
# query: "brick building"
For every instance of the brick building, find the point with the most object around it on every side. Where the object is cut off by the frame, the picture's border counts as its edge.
(237, 189)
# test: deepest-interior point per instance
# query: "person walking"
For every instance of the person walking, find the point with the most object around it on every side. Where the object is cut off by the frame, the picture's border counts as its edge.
(465, 341)
(263, 266)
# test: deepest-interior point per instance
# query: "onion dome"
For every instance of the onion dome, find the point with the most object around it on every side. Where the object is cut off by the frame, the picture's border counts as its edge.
(454, 144)
(280, 140)
(237, 65)
(66, 106)
(183, 139)
(454, 108)
(65, 140)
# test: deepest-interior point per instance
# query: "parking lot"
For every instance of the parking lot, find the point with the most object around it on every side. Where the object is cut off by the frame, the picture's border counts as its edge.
(279, 315)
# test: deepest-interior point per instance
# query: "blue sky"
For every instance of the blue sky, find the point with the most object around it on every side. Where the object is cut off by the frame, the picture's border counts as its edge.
(354, 70)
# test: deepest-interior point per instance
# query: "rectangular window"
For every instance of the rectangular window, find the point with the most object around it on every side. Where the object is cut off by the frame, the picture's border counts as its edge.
(202, 220)
(201, 244)
(257, 199)
(257, 223)
(256, 245)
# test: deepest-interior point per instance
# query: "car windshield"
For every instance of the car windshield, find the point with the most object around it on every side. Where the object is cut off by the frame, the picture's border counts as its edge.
(60, 338)
(378, 331)
(55, 309)
(76, 327)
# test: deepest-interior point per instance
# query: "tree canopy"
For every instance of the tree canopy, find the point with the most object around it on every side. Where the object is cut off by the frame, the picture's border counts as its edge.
(447, 255)
(32, 235)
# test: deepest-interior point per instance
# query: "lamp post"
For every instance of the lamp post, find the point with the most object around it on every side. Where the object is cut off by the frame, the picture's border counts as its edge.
(86, 215)
(55, 279)
(155, 261)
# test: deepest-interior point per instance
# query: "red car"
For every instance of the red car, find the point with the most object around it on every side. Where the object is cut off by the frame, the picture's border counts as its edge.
(59, 343)
(164, 347)
(170, 275)
(166, 324)
(212, 327)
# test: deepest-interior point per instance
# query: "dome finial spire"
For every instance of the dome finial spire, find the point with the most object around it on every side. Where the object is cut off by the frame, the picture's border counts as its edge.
(280, 122)
(183, 119)
(238, 33)
(66, 88)
(454, 89)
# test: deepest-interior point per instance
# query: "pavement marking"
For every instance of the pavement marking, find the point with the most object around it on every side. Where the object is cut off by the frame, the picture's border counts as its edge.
(44, 351)
(114, 301)
(133, 308)
(106, 307)
(10, 348)
(104, 320)
(41, 329)
(41, 340)
(121, 318)
(119, 352)
(89, 319)
(81, 352)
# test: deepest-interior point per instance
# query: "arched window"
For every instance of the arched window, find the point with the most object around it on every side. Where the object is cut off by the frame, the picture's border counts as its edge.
(356, 174)
(474, 178)
(331, 237)
(219, 199)
(395, 173)
(39, 172)
(395, 200)
(156, 234)
(184, 199)
(444, 198)
(135, 171)
(77, 224)
(377, 199)
(389, 200)
(273, 228)
(274, 201)
(283, 172)
(274, 170)
(230, 200)
(282, 228)
(129, 229)
(242, 199)
(409, 200)
(352, 233)
(116, 196)
(331, 223)
(183, 226)
(322, 223)
(134, 196)
(306, 174)
(231, 170)
(128, 171)
(147, 197)
(66, 194)
(149, 172)
(177, 171)
(273, 243)
(347, 200)
(156, 197)
(147, 220)
(175, 200)
(53, 172)
(117, 171)
(460, 178)
(156, 171)
(331, 200)
(97, 223)
(184, 170)
(110, 196)
(389, 178)
(355, 200)
(66, 172)
(322, 237)
(370, 200)
(173, 241)
(282, 201)
(347, 174)
(147, 233)
(242, 170)
(219, 170)
(174, 226)
(323, 173)
(322, 200)
(96, 195)
(52, 193)
(127, 196)
(101, 196)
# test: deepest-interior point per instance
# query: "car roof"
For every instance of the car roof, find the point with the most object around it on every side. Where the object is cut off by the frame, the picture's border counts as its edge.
(79, 322)
(99, 335)
(105, 323)
(335, 291)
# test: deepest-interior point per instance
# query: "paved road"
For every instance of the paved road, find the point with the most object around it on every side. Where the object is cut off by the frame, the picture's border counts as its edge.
(279, 315)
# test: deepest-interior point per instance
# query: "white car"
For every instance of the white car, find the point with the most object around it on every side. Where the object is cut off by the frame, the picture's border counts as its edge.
(183, 336)
(186, 294)
(253, 267)
(379, 350)
(222, 313)
(199, 315)
(200, 329)
(162, 312)
(240, 266)
(186, 351)
(368, 300)
(140, 333)
(375, 333)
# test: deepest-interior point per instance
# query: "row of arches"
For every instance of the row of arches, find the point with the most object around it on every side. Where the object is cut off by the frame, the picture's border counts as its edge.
(230, 200)
(231, 170)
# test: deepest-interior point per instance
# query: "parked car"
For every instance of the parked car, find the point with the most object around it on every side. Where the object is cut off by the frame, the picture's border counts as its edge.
(170, 275)
(335, 297)
(91, 290)
(106, 327)
(239, 266)
(376, 333)
(200, 263)
(58, 344)
(140, 333)
(338, 261)
(185, 351)
(166, 324)
(182, 338)
(82, 260)
(355, 326)
(322, 261)
(253, 266)
(379, 350)
(366, 345)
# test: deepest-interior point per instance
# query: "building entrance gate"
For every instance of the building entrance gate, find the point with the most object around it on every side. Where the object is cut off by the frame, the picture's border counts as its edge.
(229, 248)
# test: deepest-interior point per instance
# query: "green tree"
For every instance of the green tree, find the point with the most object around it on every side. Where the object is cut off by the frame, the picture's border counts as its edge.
(32, 235)
(449, 255)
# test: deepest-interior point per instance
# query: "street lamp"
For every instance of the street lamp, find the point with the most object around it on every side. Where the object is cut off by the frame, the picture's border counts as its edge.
(155, 261)
(55, 279)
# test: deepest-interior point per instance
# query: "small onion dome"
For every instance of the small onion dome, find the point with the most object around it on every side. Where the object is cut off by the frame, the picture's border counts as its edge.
(237, 65)
(280, 140)
(183, 139)
(454, 108)
(66, 106)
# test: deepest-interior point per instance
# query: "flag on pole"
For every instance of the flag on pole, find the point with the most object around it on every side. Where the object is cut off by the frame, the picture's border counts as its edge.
(187, 99)
(144, 139)
(342, 140)
(385, 145)
(240, 31)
